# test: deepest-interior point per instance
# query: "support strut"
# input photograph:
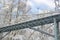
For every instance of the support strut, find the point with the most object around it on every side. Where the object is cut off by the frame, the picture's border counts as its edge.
(56, 29)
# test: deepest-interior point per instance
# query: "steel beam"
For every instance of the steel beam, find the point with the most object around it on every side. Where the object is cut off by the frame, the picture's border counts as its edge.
(32, 23)
(42, 32)
(56, 29)
(4, 35)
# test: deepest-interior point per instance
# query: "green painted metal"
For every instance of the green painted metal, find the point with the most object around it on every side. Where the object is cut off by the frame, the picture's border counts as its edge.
(56, 29)
(33, 23)
(43, 32)
(29, 24)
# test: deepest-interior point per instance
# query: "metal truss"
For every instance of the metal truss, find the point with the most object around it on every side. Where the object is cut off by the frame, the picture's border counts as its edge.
(33, 23)
(30, 24)
(4, 35)
(42, 32)
(56, 24)
(42, 21)
(37, 22)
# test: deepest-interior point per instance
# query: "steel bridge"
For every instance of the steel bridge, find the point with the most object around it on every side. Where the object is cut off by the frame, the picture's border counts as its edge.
(37, 22)
(42, 21)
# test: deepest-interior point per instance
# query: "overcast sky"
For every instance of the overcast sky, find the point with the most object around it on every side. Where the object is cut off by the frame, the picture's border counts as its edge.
(41, 5)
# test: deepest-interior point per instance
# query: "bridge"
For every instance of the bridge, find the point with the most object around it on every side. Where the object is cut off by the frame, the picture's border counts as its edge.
(33, 23)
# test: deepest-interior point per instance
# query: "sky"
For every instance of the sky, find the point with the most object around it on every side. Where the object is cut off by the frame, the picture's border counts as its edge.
(40, 5)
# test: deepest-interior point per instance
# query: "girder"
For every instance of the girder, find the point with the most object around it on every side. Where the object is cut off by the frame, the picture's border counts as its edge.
(32, 23)
(42, 32)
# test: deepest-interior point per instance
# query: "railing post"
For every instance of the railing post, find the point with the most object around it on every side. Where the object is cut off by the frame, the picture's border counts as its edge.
(56, 29)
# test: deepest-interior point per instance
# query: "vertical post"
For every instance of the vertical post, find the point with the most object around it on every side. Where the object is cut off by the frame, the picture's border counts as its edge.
(56, 29)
